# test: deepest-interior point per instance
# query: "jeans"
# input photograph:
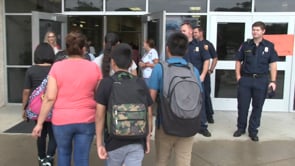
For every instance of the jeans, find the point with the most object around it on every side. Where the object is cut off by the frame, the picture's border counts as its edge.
(41, 141)
(129, 155)
(76, 137)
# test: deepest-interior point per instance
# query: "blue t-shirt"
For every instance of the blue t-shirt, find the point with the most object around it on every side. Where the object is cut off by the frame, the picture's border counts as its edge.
(155, 82)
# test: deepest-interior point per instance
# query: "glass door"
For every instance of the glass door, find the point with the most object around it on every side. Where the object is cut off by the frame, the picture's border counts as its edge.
(43, 22)
(227, 33)
(154, 27)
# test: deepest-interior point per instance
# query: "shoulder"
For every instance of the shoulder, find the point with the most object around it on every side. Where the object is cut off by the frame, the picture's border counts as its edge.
(267, 43)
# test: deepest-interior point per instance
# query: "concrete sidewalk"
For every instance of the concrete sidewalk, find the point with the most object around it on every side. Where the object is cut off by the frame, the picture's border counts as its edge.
(275, 148)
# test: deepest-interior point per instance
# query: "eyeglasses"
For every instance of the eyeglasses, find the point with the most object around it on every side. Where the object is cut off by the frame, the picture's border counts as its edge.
(51, 36)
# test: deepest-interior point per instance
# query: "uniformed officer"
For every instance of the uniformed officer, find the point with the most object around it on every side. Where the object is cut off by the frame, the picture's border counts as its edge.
(198, 34)
(199, 57)
(255, 59)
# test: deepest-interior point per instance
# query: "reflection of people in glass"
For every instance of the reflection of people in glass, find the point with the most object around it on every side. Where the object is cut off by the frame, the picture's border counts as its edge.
(255, 59)
(50, 38)
(149, 59)
(198, 34)
(199, 56)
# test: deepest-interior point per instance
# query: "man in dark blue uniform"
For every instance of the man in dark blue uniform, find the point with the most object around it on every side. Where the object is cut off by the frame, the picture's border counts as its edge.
(199, 57)
(255, 59)
(198, 34)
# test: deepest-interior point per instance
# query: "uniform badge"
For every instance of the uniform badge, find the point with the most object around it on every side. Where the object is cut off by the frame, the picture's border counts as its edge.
(197, 49)
(266, 49)
(206, 47)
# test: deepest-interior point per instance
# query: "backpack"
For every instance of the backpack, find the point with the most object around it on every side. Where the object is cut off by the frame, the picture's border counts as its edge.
(127, 108)
(181, 100)
(35, 102)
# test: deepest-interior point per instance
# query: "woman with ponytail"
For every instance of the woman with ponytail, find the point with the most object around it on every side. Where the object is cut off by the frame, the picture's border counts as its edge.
(104, 60)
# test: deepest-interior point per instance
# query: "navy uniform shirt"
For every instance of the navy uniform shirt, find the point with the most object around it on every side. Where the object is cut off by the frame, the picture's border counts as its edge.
(197, 54)
(256, 59)
(209, 46)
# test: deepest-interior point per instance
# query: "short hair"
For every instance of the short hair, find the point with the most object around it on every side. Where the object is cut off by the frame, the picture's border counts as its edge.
(199, 28)
(151, 43)
(75, 41)
(177, 43)
(188, 24)
(44, 53)
(259, 24)
(122, 55)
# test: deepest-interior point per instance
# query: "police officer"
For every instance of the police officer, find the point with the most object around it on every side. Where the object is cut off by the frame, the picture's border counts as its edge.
(255, 59)
(198, 34)
(199, 57)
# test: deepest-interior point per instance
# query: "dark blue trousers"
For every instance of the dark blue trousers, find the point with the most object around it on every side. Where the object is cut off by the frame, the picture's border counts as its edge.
(254, 89)
(204, 124)
(208, 101)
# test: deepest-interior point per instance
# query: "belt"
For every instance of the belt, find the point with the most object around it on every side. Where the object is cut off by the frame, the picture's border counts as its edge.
(254, 75)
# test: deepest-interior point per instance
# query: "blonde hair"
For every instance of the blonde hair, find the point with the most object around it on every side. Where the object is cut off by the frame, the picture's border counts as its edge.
(46, 37)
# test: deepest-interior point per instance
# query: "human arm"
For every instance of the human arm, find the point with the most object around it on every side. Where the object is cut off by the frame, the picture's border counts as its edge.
(25, 99)
(150, 129)
(205, 70)
(238, 70)
(213, 65)
(273, 75)
(99, 126)
(47, 104)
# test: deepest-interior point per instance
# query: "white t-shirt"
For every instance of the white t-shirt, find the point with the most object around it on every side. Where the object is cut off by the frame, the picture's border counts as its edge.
(149, 57)
(98, 61)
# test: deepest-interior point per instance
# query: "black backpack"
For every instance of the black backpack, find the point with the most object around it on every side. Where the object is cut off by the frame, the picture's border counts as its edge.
(127, 114)
(181, 100)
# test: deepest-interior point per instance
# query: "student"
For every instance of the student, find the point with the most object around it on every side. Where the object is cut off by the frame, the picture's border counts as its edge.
(103, 60)
(70, 92)
(167, 144)
(43, 59)
(119, 151)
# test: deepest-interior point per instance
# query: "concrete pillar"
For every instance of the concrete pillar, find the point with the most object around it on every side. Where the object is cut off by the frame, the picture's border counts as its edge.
(2, 55)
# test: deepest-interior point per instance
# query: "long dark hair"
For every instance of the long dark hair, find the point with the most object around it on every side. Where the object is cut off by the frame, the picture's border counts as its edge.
(111, 39)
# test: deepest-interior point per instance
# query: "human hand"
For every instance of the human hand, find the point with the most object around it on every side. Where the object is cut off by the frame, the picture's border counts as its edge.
(102, 152)
(273, 85)
(24, 116)
(148, 145)
(37, 130)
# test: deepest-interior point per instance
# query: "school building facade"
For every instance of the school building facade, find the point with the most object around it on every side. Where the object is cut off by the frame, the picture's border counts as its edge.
(227, 24)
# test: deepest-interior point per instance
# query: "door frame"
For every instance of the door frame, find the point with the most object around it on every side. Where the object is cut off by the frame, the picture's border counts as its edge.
(161, 17)
(36, 17)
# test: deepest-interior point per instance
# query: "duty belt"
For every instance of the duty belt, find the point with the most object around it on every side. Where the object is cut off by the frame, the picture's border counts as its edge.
(254, 75)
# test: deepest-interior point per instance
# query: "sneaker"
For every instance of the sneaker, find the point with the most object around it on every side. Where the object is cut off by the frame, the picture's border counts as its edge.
(205, 132)
(48, 161)
(210, 120)
(41, 161)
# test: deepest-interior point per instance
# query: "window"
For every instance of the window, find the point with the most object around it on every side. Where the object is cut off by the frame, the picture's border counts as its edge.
(186, 6)
(126, 5)
(26, 6)
(275, 6)
(83, 5)
(231, 5)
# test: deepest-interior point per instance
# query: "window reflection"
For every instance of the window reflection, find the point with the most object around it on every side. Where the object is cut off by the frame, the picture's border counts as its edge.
(280, 85)
(225, 84)
(24, 6)
(275, 6)
(19, 48)
(15, 79)
(231, 5)
(83, 5)
(229, 38)
(187, 6)
(126, 5)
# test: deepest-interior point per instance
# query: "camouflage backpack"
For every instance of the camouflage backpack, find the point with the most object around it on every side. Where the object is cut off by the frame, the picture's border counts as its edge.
(127, 108)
